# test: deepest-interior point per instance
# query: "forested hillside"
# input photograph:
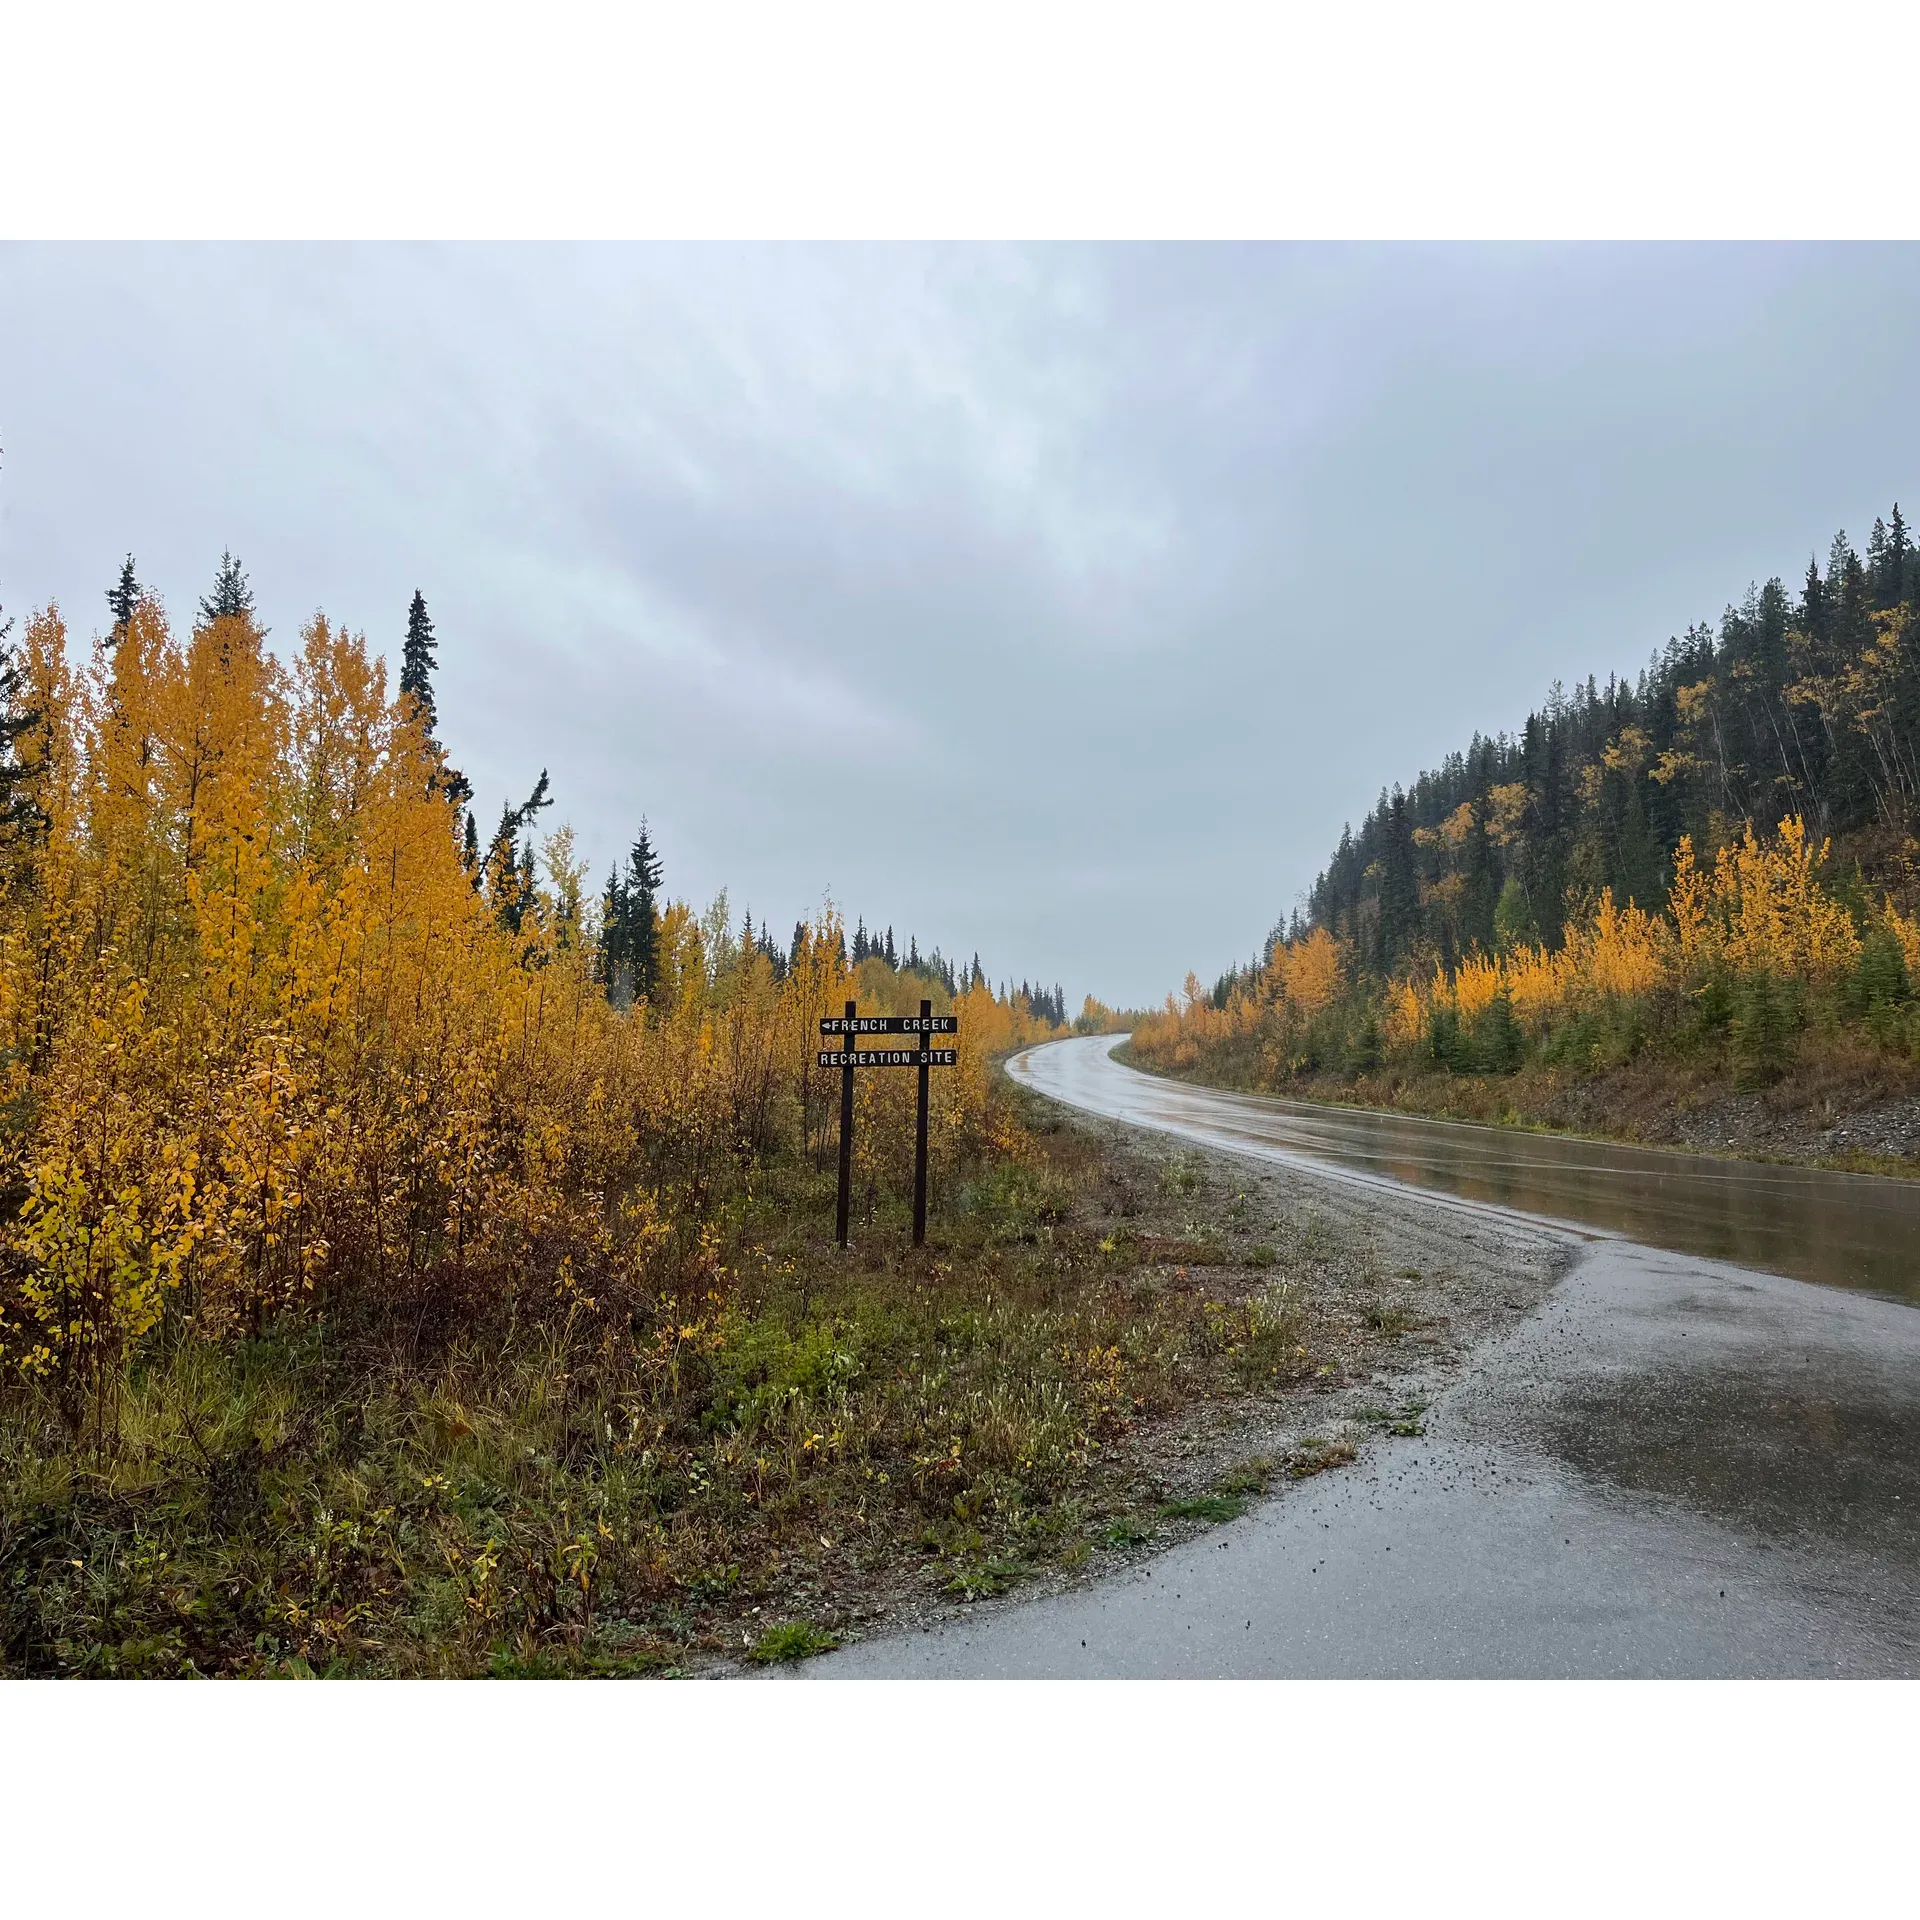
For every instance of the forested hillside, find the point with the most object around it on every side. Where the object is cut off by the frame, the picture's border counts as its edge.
(1712, 864)
(1805, 704)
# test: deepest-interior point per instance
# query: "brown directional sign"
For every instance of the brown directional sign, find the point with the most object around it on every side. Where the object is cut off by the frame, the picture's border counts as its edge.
(892, 1057)
(893, 1023)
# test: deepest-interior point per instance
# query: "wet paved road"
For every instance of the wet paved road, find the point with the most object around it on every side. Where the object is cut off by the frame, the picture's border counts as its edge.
(1675, 1466)
(1844, 1229)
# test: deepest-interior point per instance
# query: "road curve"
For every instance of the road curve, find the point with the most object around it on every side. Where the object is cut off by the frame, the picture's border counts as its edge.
(1675, 1466)
(1843, 1229)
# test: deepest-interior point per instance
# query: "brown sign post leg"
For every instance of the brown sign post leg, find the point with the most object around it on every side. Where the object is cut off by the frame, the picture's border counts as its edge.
(920, 1141)
(846, 1131)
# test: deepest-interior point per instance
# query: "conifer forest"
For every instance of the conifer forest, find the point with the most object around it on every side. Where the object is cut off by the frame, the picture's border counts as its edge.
(1706, 876)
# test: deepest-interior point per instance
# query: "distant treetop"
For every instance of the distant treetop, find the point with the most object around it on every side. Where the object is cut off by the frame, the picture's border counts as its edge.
(232, 595)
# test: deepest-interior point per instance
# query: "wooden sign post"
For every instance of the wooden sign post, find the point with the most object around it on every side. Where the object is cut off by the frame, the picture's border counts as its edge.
(850, 1031)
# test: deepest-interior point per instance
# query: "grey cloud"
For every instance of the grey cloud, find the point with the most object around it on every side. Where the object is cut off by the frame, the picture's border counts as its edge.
(1059, 602)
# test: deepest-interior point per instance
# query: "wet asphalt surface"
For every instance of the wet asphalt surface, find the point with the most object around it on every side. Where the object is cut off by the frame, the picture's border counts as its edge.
(1673, 1467)
(1840, 1229)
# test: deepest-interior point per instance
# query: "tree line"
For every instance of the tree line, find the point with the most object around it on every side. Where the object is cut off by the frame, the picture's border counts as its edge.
(1715, 861)
(623, 933)
(1802, 704)
(280, 1034)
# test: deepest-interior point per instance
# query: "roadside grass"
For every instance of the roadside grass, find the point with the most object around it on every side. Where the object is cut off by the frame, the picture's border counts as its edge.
(602, 1494)
(1249, 1478)
(981, 1579)
(1404, 1420)
(1181, 1175)
(1314, 1455)
(1230, 1498)
(792, 1640)
(1389, 1317)
(543, 1665)
(1208, 1506)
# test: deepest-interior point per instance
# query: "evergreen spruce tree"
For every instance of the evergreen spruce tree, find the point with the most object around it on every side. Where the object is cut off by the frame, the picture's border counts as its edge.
(1367, 1047)
(18, 813)
(1482, 891)
(535, 803)
(500, 847)
(1880, 980)
(416, 659)
(643, 925)
(502, 869)
(1512, 917)
(615, 964)
(231, 599)
(1447, 1046)
(861, 946)
(1642, 877)
(1499, 1038)
(1908, 555)
(520, 880)
(1878, 562)
(1760, 1033)
(1399, 885)
(887, 955)
(232, 595)
(416, 678)
(1813, 599)
(504, 865)
(122, 598)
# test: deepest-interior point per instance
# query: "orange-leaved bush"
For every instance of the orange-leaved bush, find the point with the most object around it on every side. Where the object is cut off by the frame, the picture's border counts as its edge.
(267, 1044)
(1761, 911)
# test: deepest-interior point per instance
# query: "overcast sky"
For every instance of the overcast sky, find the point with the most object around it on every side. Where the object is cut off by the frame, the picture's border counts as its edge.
(1055, 602)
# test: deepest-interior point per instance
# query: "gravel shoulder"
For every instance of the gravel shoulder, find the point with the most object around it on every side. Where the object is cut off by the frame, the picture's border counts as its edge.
(1557, 1458)
(1392, 1295)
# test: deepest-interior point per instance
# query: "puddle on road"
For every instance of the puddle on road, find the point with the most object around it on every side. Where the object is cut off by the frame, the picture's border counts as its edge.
(1779, 1457)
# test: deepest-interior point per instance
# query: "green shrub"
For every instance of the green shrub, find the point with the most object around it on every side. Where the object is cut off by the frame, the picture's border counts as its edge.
(792, 1640)
(1498, 1042)
(1761, 1028)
